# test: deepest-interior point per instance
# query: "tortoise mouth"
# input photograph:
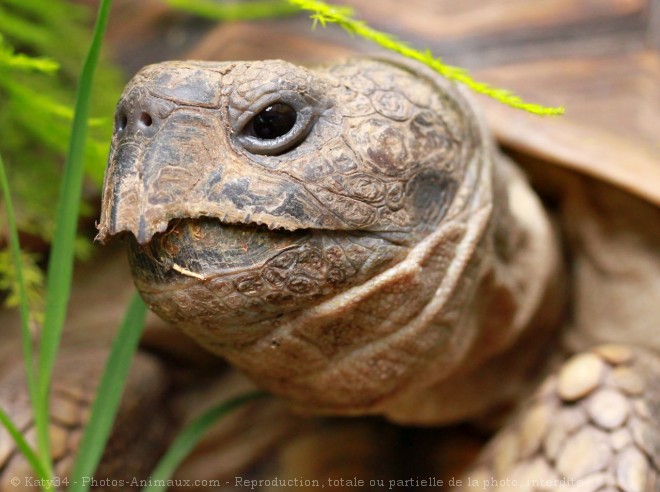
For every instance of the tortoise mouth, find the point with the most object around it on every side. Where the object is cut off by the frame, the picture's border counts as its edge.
(205, 271)
(207, 248)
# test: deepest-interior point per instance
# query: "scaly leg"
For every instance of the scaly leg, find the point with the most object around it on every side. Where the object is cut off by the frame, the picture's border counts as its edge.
(594, 426)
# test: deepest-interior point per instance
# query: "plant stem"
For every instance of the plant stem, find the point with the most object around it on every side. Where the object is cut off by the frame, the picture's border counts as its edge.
(327, 13)
(60, 267)
(25, 448)
(190, 436)
(20, 441)
(235, 11)
(20, 280)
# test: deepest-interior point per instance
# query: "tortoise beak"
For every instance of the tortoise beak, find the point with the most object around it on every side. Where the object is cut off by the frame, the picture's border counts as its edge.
(171, 161)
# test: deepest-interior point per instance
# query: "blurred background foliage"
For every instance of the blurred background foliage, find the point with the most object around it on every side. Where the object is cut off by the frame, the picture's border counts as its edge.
(42, 45)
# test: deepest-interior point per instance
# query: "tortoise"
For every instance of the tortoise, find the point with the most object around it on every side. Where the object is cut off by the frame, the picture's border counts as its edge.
(351, 237)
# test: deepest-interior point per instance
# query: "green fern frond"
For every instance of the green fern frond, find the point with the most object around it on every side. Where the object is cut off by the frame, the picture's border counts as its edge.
(42, 44)
(10, 60)
(33, 278)
(323, 13)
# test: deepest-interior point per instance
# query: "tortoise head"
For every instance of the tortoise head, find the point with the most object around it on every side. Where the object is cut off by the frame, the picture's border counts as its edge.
(300, 222)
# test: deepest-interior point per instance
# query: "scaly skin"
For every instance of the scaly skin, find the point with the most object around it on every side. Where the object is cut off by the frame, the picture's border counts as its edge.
(367, 262)
(591, 427)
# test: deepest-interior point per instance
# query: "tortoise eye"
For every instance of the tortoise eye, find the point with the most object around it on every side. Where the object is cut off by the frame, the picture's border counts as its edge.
(275, 121)
(277, 128)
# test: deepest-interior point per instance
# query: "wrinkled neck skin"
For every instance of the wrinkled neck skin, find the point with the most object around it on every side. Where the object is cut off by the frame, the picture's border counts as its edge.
(492, 311)
(427, 340)
(389, 264)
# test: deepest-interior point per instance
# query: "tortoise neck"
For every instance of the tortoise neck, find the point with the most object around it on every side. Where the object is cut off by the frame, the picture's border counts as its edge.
(513, 311)
(523, 291)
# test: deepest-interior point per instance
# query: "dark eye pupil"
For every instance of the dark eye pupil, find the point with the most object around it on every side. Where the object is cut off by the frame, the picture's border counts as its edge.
(274, 121)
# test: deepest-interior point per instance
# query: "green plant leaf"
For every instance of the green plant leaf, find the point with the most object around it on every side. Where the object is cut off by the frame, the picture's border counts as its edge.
(108, 395)
(32, 99)
(189, 437)
(235, 11)
(33, 280)
(24, 447)
(36, 108)
(58, 286)
(13, 61)
(23, 29)
(20, 281)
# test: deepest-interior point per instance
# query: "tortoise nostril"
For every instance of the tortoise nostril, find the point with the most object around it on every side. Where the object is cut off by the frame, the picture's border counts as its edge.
(122, 121)
(145, 119)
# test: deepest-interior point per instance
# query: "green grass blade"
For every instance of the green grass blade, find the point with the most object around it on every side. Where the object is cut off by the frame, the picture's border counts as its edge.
(60, 267)
(189, 437)
(235, 11)
(22, 292)
(108, 395)
(23, 446)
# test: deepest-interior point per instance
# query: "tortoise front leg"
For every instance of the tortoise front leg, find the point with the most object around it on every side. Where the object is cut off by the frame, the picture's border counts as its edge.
(594, 426)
